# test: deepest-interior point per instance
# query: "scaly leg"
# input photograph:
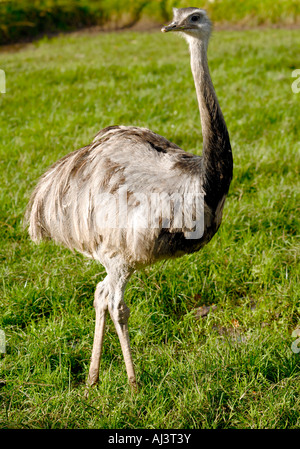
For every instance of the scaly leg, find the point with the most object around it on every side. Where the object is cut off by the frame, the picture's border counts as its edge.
(100, 304)
(119, 313)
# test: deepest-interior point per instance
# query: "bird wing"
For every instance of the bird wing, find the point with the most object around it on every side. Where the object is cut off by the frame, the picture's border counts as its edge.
(77, 201)
(147, 160)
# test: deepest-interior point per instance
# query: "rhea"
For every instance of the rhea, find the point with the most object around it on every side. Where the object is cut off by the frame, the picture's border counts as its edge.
(77, 202)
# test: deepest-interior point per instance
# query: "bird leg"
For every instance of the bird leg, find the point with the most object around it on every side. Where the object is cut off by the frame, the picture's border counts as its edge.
(100, 304)
(119, 313)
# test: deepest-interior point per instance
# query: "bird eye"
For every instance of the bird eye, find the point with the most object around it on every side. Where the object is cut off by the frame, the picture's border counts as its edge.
(195, 18)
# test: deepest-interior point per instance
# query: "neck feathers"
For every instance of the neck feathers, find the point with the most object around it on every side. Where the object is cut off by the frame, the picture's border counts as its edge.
(217, 156)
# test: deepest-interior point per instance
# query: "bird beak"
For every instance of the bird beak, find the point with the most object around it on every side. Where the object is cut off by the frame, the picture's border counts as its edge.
(172, 27)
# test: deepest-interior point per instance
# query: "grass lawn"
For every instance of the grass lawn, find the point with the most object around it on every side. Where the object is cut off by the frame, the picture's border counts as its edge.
(233, 368)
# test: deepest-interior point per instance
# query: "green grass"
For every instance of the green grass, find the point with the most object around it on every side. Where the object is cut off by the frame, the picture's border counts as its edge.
(234, 368)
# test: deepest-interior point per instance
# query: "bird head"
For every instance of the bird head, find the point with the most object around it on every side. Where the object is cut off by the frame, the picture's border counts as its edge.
(191, 22)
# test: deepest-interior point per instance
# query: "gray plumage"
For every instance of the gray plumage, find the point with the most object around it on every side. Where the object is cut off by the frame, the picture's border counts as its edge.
(77, 201)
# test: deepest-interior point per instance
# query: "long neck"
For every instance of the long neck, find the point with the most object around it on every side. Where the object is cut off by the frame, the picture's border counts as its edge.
(217, 156)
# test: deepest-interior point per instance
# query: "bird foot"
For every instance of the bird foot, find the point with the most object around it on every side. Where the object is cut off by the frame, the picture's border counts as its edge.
(91, 382)
(133, 385)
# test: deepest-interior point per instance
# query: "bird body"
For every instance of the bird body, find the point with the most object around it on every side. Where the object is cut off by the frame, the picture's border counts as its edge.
(74, 196)
(132, 197)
